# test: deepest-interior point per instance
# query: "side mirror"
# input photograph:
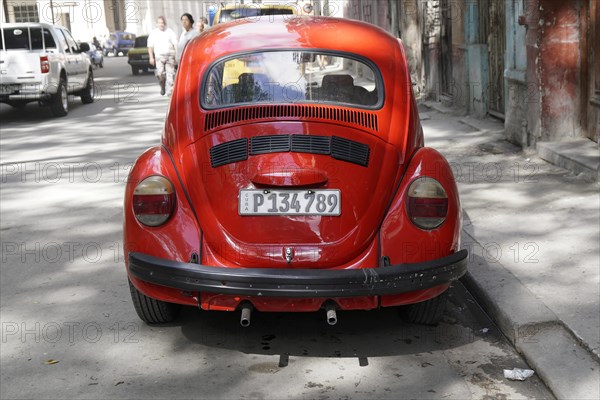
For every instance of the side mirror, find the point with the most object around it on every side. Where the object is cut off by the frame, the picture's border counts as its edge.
(84, 47)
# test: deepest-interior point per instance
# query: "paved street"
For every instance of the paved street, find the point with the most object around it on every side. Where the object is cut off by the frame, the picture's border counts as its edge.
(69, 329)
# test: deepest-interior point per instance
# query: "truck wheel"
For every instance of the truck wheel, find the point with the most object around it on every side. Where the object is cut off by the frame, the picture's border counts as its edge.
(60, 101)
(135, 70)
(87, 94)
(427, 312)
(153, 311)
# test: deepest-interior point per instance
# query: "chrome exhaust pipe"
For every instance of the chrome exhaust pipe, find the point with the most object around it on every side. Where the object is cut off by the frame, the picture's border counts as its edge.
(245, 318)
(331, 314)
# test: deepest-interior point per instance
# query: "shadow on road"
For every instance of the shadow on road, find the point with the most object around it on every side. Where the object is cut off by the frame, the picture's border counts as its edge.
(360, 334)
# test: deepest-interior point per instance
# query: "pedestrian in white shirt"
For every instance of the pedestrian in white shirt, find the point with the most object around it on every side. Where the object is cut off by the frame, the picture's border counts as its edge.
(162, 44)
(187, 22)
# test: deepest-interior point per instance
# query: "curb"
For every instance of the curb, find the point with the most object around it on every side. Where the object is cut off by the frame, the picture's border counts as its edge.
(567, 366)
(580, 156)
(565, 363)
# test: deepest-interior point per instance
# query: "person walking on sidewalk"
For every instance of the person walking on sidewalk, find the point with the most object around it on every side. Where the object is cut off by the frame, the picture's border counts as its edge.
(187, 22)
(162, 43)
(202, 24)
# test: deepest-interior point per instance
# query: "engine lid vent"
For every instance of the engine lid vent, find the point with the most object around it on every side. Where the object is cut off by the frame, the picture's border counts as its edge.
(311, 144)
(349, 150)
(229, 152)
(218, 118)
(269, 144)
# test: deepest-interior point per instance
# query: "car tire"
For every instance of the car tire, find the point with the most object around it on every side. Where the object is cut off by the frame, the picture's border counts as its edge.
(60, 101)
(153, 311)
(87, 94)
(427, 312)
(135, 70)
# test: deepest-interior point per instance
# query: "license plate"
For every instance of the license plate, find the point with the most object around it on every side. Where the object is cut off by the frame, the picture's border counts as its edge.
(145, 57)
(290, 202)
(8, 89)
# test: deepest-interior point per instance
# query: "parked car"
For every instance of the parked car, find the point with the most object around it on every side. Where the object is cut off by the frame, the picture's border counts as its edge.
(236, 11)
(96, 56)
(138, 56)
(43, 63)
(118, 42)
(290, 188)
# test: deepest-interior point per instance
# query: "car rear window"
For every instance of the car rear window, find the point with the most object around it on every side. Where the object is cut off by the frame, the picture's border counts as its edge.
(141, 41)
(19, 39)
(292, 77)
(248, 12)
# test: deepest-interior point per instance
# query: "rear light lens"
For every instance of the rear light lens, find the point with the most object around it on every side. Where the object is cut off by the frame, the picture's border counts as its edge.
(154, 200)
(427, 203)
(44, 64)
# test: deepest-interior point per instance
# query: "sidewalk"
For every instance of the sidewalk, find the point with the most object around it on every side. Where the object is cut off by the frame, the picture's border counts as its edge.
(533, 232)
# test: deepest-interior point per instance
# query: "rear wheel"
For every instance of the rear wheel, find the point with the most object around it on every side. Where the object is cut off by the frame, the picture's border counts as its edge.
(60, 101)
(87, 94)
(135, 70)
(153, 311)
(427, 312)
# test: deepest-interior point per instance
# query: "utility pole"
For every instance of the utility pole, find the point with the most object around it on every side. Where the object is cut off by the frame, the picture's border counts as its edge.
(52, 11)
(394, 27)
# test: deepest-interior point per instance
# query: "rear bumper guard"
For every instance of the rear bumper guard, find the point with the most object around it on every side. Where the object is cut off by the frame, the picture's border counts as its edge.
(299, 283)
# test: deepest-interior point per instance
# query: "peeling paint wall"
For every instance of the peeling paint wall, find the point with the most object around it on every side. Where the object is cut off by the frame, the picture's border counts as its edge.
(515, 122)
(410, 15)
(549, 73)
(534, 105)
(559, 68)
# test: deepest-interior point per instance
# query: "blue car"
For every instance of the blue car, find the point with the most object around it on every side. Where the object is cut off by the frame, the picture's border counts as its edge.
(118, 42)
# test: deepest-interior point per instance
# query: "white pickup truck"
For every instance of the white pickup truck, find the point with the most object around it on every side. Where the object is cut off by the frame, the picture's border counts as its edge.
(43, 63)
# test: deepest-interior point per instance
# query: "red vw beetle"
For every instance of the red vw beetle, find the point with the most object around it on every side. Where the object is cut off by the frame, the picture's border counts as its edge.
(292, 176)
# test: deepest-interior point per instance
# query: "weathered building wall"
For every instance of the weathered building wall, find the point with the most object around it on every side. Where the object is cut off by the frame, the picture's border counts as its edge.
(432, 26)
(83, 19)
(515, 74)
(592, 111)
(558, 80)
(559, 68)
(465, 80)
(409, 16)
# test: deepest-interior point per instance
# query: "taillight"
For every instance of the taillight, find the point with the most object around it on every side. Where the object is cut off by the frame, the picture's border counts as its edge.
(44, 64)
(427, 203)
(154, 200)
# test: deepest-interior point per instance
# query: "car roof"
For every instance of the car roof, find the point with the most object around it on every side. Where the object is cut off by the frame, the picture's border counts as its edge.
(31, 25)
(287, 32)
(257, 6)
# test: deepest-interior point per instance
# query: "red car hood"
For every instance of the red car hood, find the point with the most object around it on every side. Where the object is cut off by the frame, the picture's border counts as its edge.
(317, 241)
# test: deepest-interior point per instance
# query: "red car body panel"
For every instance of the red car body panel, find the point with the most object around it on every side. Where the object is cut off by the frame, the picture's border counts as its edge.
(374, 221)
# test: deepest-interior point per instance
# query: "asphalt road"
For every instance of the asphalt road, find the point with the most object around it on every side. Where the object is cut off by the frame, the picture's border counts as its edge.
(69, 329)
